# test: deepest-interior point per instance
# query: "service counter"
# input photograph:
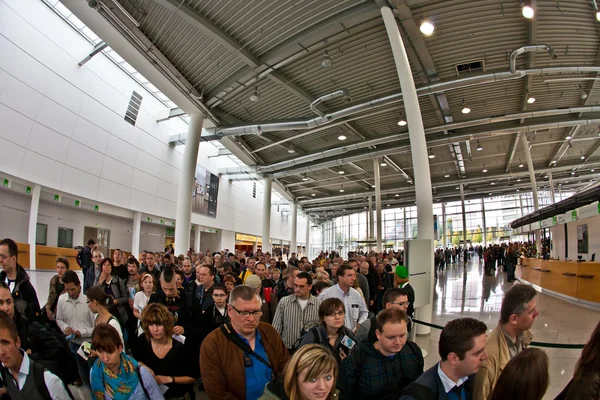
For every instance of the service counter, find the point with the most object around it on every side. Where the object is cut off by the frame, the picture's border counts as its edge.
(578, 280)
(46, 256)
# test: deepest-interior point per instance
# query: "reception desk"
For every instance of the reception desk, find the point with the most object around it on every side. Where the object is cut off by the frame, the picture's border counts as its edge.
(577, 280)
(46, 256)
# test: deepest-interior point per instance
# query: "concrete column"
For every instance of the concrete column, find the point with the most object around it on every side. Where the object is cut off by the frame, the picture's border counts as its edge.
(135, 234)
(36, 190)
(536, 204)
(418, 144)
(484, 223)
(405, 224)
(377, 178)
(551, 183)
(444, 239)
(464, 215)
(294, 240)
(371, 222)
(266, 221)
(183, 220)
(197, 237)
(307, 239)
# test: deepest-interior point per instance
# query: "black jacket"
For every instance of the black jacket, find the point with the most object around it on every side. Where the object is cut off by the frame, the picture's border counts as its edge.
(411, 299)
(429, 386)
(24, 295)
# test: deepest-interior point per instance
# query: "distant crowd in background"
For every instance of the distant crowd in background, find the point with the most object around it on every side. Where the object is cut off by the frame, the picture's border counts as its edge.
(256, 326)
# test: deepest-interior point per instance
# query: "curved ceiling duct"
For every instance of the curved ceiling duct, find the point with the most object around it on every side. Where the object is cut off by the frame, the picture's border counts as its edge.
(257, 129)
(528, 49)
(394, 148)
(326, 97)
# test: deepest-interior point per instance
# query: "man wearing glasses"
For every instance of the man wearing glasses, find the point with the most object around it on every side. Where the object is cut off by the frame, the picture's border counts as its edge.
(393, 298)
(241, 357)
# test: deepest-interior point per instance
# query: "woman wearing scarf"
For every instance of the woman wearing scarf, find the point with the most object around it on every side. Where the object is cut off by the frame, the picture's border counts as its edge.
(115, 375)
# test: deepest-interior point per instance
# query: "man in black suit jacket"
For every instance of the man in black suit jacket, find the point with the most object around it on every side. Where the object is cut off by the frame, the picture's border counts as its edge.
(462, 350)
(402, 282)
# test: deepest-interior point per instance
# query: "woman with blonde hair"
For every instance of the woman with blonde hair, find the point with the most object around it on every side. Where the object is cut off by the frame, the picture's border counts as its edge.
(310, 374)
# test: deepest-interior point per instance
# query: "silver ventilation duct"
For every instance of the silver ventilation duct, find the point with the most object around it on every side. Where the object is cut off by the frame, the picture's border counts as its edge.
(394, 149)
(257, 129)
(330, 96)
(392, 138)
(528, 49)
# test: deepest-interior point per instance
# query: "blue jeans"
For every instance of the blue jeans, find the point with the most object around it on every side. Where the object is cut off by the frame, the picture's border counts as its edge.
(82, 365)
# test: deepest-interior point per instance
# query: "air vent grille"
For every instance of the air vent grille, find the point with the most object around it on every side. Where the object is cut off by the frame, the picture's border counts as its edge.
(133, 108)
(470, 68)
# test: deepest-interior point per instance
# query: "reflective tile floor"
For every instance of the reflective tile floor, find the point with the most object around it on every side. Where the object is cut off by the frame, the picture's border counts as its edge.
(468, 292)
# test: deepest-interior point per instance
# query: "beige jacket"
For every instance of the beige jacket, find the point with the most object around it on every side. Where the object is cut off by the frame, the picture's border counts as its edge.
(498, 356)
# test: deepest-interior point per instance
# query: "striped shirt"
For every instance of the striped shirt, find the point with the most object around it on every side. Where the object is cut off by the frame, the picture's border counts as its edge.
(356, 308)
(290, 318)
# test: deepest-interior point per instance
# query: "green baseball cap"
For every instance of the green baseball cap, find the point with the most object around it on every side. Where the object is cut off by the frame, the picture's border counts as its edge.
(401, 271)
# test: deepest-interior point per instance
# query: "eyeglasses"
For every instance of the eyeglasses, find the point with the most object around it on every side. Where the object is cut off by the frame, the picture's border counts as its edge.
(401, 303)
(246, 314)
(336, 314)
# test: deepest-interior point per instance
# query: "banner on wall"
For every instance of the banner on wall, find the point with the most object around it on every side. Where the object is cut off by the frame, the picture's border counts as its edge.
(436, 232)
(205, 192)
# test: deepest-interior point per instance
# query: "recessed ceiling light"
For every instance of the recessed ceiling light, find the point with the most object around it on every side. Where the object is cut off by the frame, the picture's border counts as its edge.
(402, 122)
(427, 28)
(341, 190)
(341, 137)
(528, 12)
(383, 164)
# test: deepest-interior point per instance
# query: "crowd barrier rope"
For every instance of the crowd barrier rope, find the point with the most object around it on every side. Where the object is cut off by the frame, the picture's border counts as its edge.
(536, 344)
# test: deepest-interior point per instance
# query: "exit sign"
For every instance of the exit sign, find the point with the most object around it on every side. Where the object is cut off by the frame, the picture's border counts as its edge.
(96, 207)
(6, 183)
(28, 189)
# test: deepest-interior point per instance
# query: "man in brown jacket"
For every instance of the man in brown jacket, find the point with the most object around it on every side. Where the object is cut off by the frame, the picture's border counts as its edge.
(240, 358)
(508, 338)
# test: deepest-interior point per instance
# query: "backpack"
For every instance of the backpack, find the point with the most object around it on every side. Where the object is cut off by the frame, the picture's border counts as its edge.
(308, 327)
(79, 258)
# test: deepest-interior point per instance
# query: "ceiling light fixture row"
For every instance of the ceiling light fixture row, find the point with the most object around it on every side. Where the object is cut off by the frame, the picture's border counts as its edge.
(465, 109)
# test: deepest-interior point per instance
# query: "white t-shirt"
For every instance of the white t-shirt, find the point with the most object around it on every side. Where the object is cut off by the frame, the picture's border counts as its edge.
(302, 303)
(221, 310)
(115, 324)
(140, 301)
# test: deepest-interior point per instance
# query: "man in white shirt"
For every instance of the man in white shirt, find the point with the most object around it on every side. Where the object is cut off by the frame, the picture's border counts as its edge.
(295, 311)
(73, 316)
(356, 308)
(24, 378)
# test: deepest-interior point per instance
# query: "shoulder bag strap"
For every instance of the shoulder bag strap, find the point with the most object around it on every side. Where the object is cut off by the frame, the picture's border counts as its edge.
(245, 347)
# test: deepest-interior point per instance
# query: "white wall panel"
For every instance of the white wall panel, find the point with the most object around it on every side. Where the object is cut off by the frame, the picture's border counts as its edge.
(117, 172)
(113, 193)
(107, 96)
(97, 114)
(56, 117)
(10, 53)
(85, 158)
(144, 182)
(167, 191)
(20, 97)
(15, 126)
(120, 150)
(48, 142)
(148, 163)
(42, 170)
(125, 131)
(32, 73)
(168, 173)
(65, 94)
(46, 52)
(165, 206)
(142, 201)
(3, 78)
(152, 146)
(80, 183)
(13, 27)
(12, 157)
(173, 158)
(90, 135)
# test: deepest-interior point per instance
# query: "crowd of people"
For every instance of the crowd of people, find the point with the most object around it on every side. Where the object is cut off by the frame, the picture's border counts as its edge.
(252, 326)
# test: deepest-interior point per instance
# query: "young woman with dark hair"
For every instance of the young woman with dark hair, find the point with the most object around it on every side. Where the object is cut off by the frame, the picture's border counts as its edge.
(524, 377)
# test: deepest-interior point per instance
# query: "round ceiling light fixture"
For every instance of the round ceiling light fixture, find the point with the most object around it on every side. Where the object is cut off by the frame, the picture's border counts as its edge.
(528, 12)
(402, 122)
(291, 150)
(326, 62)
(255, 96)
(427, 28)
(465, 109)
(341, 190)
(305, 179)
(313, 194)
(342, 137)
(383, 164)
(446, 176)
(341, 172)
(484, 170)
(530, 99)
